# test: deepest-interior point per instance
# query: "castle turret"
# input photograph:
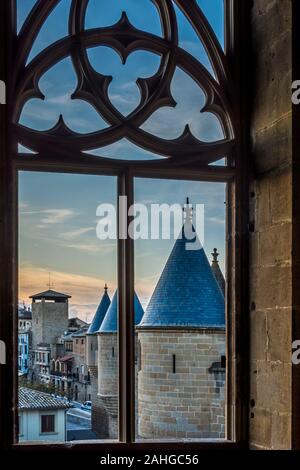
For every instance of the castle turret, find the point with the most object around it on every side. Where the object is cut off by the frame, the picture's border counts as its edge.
(182, 341)
(107, 423)
(92, 353)
(217, 271)
(91, 340)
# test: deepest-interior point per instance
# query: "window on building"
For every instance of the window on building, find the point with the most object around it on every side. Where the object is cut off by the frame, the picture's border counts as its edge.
(147, 116)
(47, 423)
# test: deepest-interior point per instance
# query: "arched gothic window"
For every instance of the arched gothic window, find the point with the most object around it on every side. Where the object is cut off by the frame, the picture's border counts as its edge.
(135, 89)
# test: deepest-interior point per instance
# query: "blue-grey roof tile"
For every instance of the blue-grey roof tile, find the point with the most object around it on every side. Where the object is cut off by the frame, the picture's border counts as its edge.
(187, 293)
(100, 313)
(110, 322)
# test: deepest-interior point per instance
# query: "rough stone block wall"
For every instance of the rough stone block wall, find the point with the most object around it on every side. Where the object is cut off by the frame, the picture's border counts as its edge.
(91, 352)
(99, 418)
(190, 402)
(271, 214)
(49, 321)
(108, 364)
(108, 376)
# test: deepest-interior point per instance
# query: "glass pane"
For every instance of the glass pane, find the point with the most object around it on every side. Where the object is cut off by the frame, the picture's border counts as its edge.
(214, 12)
(23, 149)
(24, 7)
(123, 91)
(54, 28)
(124, 150)
(122, 77)
(181, 339)
(67, 338)
(169, 123)
(57, 85)
(190, 42)
(141, 13)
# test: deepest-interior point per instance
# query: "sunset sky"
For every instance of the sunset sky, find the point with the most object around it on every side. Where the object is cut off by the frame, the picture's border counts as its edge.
(57, 227)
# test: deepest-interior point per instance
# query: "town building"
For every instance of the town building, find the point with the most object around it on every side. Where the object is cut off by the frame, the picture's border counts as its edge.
(24, 340)
(58, 347)
(75, 323)
(41, 417)
(75, 362)
(24, 318)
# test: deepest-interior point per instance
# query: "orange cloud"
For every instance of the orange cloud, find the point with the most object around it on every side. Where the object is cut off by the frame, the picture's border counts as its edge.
(85, 291)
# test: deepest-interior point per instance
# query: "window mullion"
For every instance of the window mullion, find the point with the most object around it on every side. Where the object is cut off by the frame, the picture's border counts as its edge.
(126, 311)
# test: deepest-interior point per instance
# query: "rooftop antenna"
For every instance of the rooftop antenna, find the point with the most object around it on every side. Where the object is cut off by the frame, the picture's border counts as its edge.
(50, 284)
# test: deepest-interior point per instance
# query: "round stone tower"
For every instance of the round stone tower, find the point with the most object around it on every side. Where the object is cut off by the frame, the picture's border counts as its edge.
(182, 346)
(108, 367)
(92, 356)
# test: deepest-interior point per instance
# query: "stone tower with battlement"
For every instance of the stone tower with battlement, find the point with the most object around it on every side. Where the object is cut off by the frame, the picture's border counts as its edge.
(50, 312)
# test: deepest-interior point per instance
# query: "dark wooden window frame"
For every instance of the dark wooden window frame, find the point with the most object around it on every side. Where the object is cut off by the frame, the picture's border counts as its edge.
(44, 423)
(234, 174)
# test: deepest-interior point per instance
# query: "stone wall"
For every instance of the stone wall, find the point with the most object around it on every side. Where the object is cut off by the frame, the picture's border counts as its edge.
(107, 364)
(107, 397)
(271, 240)
(190, 402)
(91, 351)
(49, 321)
(105, 387)
(99, 418)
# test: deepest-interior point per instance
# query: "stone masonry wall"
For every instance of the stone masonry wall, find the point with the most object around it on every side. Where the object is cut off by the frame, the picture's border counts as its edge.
(91, 351)
(49, 321)
(99, 418)
(271, 213)
(190, 402)
(108, 381)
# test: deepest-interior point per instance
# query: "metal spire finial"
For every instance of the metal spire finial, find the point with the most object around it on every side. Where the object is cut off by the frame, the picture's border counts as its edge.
(215, 255)
(188, 210)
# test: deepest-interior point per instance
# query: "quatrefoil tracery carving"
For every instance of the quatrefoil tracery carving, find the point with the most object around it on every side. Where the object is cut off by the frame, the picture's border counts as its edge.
(92, 86)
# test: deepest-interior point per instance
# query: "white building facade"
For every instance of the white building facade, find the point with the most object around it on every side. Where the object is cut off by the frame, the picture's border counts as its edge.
(41, 417)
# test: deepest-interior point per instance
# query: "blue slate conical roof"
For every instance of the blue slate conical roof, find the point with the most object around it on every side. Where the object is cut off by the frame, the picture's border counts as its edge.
(187, 293)
(100, 313)
(110, 322)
